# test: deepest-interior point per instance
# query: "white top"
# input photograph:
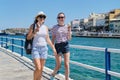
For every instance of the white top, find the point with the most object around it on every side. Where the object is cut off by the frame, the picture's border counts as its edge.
(40, 37)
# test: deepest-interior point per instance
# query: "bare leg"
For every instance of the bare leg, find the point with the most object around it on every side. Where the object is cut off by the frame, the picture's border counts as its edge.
(58, 64)
(66, 64)
(37, 69)
(42, 66)
(39, 65)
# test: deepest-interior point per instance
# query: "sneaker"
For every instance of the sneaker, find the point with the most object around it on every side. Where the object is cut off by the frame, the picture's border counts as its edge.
(52, 78)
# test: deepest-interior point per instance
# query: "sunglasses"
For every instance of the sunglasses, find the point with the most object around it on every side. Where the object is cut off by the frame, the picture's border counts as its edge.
(60, 17)
(42, 16)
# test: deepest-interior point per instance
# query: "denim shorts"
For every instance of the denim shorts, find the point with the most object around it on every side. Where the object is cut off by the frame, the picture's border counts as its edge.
(40, 52)
(62, 47)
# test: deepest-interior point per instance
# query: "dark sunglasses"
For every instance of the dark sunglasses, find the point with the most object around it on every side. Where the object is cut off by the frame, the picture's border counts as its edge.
(60, 17)
(42, 16)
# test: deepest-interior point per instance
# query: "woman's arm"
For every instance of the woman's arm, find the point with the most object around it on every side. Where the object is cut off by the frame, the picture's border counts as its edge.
(50, 43)
(30, 34)
(53, 38)
(69, 32)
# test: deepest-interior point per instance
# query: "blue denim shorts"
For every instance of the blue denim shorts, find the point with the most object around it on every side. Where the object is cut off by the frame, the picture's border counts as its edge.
(62, 47)
(40, 52)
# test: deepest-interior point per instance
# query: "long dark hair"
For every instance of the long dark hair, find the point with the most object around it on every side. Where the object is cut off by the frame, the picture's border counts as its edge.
(35, 21)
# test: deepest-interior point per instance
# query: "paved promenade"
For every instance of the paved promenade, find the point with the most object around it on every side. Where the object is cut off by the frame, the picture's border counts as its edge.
(11, 69)
(15, 67)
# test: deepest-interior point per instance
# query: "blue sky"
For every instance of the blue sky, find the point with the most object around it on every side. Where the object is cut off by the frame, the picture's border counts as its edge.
(21, 13)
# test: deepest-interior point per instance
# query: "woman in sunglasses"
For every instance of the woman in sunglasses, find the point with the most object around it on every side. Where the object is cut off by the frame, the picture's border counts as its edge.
(39, 47)
(61, 34)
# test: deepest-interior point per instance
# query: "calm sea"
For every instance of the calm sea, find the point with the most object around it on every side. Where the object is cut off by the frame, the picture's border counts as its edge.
(94, 58)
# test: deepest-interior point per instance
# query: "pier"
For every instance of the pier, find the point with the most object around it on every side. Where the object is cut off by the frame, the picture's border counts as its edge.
(15, 67)
(18, 66)
(12, 69)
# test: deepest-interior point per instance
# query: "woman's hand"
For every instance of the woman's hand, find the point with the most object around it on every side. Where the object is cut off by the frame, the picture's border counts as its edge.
(69, 27)
(55, 52)
(36, 30)
(50, 43)
(69, 31)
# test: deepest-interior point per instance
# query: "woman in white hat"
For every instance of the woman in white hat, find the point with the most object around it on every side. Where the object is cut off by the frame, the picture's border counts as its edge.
(39, 46)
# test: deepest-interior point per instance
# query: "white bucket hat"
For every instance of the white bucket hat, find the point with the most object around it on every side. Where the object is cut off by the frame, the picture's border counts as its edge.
(40, 13)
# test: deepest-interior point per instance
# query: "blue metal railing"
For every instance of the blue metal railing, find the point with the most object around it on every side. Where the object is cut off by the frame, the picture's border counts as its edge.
(4, 43)
(107, 64)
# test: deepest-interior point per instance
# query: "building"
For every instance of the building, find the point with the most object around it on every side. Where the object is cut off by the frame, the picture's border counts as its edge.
(115, 24)
(96, 21)
(110, 17)
(102, 23)
(83, 23)
(75, 24)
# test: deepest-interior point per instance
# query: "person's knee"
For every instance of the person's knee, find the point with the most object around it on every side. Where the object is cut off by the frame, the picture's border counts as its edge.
(42, 67)
(66, 65)
(38, 68)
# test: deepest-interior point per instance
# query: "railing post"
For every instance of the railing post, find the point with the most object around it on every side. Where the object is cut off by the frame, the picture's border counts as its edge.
(12, 45)
(107, 64)
(6, 43)
(1, 42)
(21, 48)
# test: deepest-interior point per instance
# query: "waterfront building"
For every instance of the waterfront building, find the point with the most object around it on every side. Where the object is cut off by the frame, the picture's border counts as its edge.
(75, 24)
(102, 24)
(83, 23)
(110, 17)
(115, 26)
(95, 22)
(75, 27)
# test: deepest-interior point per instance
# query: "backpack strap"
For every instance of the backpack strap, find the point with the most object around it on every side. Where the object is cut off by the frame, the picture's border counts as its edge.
(34, 24)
